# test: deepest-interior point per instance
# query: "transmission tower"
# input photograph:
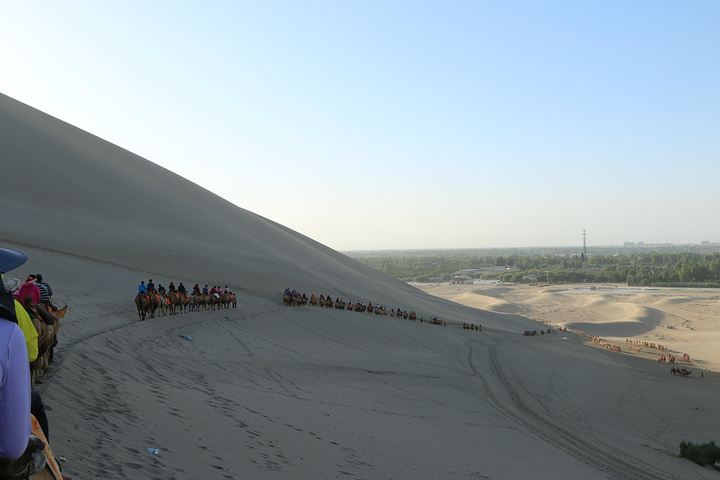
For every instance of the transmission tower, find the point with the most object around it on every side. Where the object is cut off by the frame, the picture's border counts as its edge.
(583, 256)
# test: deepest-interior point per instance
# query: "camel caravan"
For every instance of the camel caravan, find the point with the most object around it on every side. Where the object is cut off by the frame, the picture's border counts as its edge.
(44, 316)
(47, 324)
(173, 302)
(293, 298)
(533, 333)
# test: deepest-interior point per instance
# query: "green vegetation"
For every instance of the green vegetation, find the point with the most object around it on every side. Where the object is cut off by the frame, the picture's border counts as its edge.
(705, 454)
(688, 266)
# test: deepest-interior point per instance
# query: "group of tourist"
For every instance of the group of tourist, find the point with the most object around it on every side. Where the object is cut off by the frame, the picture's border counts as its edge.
(636, 346)
(144, 288)
(602, 343)
(646, 344)
(683, 372)
(20, 304)
(532, 333)
(178, 300)
(293, 297)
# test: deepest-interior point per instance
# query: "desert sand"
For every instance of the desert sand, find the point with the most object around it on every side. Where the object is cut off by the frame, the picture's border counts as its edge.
(266, 391)
(684, 321)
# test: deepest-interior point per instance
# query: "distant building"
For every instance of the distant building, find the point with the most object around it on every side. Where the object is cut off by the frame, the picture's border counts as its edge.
(461, 279)
(485, 270)
(633, 244)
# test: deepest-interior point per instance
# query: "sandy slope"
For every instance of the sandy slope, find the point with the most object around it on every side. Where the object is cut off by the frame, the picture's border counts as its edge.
(266, 391)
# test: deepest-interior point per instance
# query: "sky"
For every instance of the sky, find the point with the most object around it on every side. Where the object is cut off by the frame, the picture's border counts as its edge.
(401, 124)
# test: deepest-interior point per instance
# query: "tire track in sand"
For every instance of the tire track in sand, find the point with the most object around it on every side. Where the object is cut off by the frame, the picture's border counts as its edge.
(595, 454)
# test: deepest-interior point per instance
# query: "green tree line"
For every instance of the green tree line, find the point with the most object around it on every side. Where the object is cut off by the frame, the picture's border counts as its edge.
(679, 268)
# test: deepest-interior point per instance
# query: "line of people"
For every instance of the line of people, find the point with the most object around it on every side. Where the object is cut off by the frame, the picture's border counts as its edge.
(144, 288)
(292, 297)
(177, 300)
(23, 420)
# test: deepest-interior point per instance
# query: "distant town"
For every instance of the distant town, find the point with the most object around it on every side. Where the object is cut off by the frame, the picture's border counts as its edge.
(633, 263)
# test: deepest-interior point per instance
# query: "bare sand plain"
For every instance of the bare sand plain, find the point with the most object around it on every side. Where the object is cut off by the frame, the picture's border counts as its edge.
(266, 391)
(685, 321)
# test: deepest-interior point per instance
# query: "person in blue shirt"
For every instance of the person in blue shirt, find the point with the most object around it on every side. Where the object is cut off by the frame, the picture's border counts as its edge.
(142, 288)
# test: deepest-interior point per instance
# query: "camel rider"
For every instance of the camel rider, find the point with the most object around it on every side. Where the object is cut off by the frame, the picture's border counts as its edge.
(205, 290)
(151, 286)
(142, 288)
(196, 289)
(180, 288)
(161, 289)
(171, 288)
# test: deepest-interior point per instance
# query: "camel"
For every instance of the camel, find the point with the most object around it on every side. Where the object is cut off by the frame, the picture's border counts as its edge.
(196, 301)
(230, 300)
(153, 303)
(173, 302)
(163, 304)
(47, 328)
(214, 301)
(142, 303)
(183, 302)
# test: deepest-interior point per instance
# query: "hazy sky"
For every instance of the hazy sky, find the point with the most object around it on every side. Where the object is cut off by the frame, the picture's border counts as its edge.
(401, 124)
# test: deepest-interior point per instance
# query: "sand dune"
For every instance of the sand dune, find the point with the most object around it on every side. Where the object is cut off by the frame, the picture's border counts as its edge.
(266, 391)
(685, 321)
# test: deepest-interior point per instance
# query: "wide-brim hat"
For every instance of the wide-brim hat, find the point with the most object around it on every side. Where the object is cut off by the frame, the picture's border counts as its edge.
(11, 258)
(12, 284)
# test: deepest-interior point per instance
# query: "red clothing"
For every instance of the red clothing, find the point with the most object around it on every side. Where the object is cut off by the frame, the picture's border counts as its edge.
(28, 289)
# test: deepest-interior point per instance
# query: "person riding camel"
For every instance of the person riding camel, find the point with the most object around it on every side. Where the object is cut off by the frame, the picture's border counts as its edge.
(181, 288)
(151, 286)
(161, 289)
(196, 289)
(171, 288)
(142, 288)
(28, 289)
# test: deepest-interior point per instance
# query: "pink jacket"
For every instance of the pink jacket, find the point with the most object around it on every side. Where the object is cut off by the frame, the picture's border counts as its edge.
(28, 289)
